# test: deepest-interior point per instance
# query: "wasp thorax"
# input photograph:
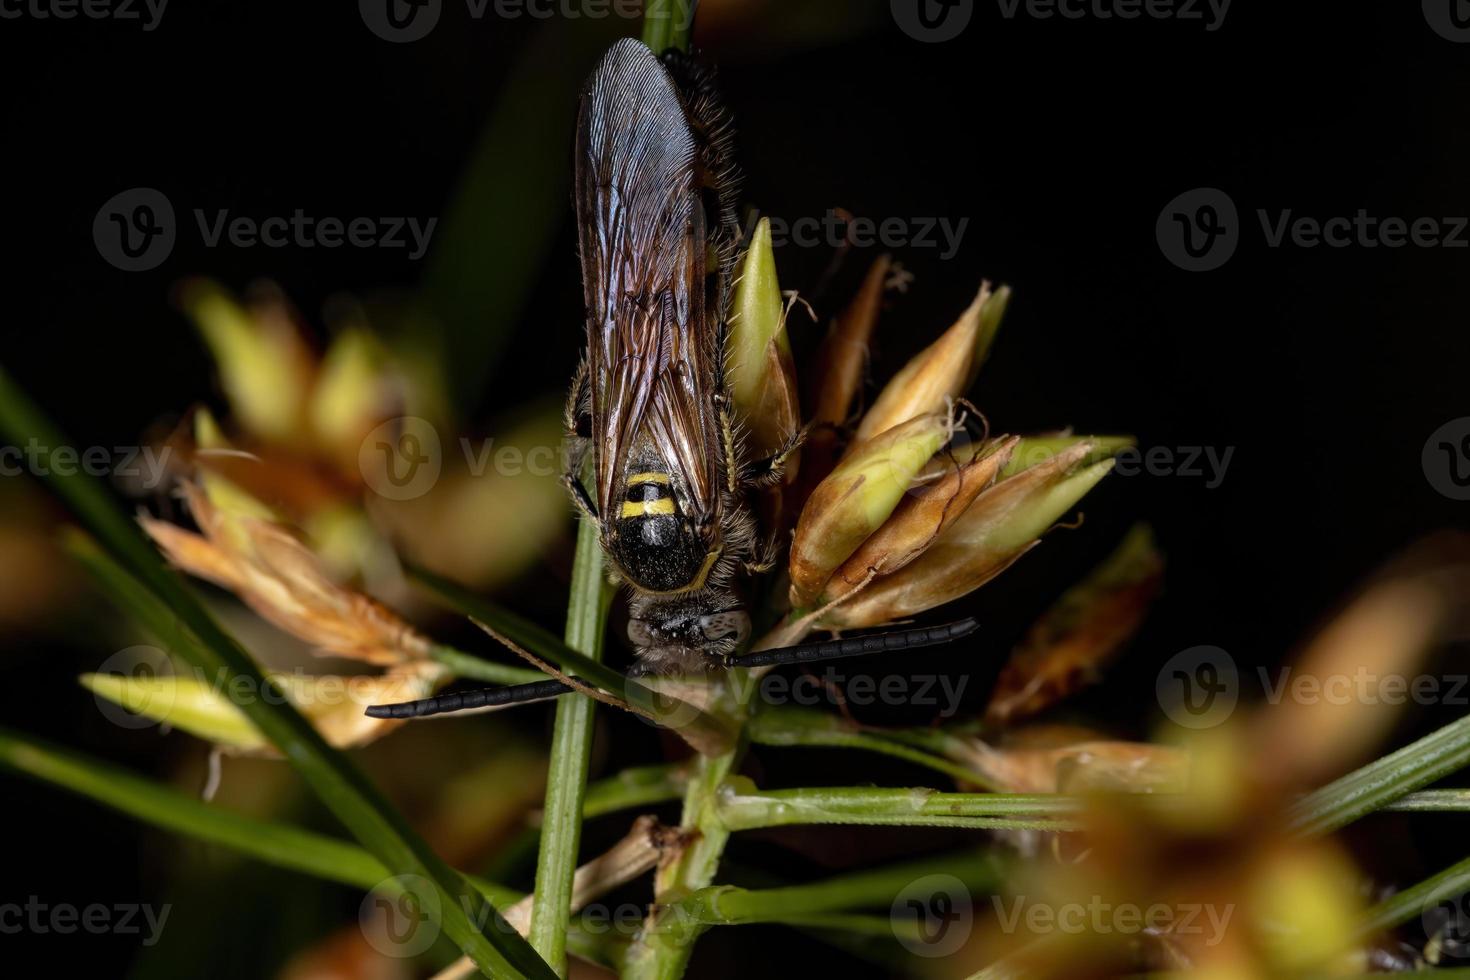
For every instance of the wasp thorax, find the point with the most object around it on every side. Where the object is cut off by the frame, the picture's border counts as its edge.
(687, 634)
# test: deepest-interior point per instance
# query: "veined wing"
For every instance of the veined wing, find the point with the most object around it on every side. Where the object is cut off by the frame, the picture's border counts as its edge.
(641, 231)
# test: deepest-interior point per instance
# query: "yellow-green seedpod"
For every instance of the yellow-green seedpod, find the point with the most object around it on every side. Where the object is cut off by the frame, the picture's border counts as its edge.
(856, 498)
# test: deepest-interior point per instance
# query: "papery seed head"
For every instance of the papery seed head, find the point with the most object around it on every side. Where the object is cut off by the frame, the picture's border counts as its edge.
(939, 373)
(922, 517)
(856, 498)
(1001, 525)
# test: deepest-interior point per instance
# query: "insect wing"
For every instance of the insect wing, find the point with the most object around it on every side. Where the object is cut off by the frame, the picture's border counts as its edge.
(642, 237)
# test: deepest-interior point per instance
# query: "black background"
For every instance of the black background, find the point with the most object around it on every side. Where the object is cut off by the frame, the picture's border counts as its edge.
(1324, 370)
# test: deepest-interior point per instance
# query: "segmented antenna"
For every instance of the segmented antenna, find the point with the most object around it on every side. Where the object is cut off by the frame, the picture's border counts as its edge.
(802, 653)
(485, 697)
(856, 646)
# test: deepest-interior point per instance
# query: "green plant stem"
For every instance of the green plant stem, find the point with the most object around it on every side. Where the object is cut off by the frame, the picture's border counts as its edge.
(335, 779)
(1432, 801)
(875, 888)
(1412, 902)
(477, 668)
(666, 24)
(638, 786)
(571, 750)
(799, 727)
(740, 810)
(660, 953)
(1384, 780)
(281, 846)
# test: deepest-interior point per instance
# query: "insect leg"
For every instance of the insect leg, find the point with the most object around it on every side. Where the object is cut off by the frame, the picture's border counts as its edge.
(578, 421)
(765, 472)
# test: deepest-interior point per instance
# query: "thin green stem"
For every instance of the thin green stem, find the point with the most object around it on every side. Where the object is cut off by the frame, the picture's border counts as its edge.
(667, 23)
(1414, 901)
(639, 786)
(873, 888)
(571, 749)
(473, 924)
(797, 727)
(1432, 801)
(281, 846)
(1384, 780)
(741, 810)
(477, 668)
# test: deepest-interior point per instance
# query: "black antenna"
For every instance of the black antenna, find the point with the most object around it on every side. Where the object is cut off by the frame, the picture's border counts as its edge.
(856, 646)
(485, 697)
(802, 653)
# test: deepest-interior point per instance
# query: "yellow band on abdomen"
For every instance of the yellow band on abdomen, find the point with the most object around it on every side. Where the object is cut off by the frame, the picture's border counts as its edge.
(640, 508)
(638, 479)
